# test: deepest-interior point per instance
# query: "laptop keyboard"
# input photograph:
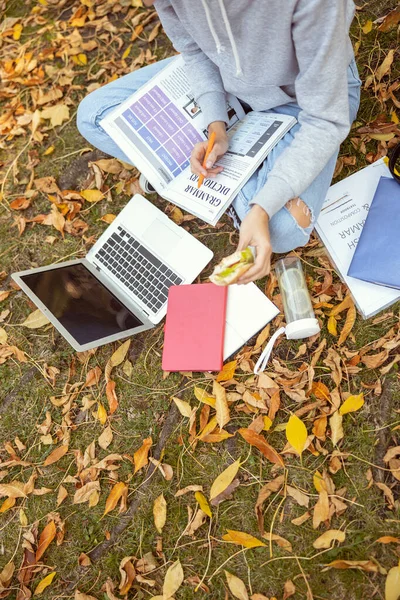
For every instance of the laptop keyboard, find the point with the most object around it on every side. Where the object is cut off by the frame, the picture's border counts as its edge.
(137, 269)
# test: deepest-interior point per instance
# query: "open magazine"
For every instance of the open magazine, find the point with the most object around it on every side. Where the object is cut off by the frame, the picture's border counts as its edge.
(158, 126)
(339, 226)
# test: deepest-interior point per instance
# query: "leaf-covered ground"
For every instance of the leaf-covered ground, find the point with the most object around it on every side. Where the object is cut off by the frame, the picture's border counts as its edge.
(97, 450)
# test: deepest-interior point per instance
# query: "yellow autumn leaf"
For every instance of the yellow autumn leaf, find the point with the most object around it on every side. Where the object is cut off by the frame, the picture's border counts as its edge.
(57, 114)
(23, 519)
(382, 137)
(118, 490)
(325, 540)
(352, 404)
(202, 500)
(203, 397)
(335, 423)
(236, 586)
(49, 150)
(394, 118)
(267, 423)
(392, 584)
(17, 30)
(7, 504)
(173, 579)
(384, 68)
(101, 414)
(3, 336)
(42, 585)
(296, 434)
(108, 218)
(92, 196)
(224, 479)
(319, 482)
(160, 512)
(141, 456)
(221, 404)
(228, 371)
(127, 52)
(184, 407)
(367, 27)
(242, 538)
(332, 326)
(35, 320)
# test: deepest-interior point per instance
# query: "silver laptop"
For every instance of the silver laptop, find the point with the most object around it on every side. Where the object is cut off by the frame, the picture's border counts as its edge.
(120, 288)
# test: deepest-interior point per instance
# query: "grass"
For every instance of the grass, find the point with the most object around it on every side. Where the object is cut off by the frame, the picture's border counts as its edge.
(144, 400)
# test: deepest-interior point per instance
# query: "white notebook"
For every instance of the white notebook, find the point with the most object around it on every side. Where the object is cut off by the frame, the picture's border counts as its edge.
(340, 225)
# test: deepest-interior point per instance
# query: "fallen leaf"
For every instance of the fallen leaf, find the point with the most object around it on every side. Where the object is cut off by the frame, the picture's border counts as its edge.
(117, 492)
(20, 203)
(335, 423)
(202, 396)
(224, 479)
(289, 589)
(128, 575)
(348, 325)
(173, 579)
(392, 584)
(187, 489)
(227, 372)
(35, 320)
(84, 493)
(55, 455)
(7, 504)
(105, 439)
(140, 457)
(117, 358)
(44, 583)
(202, 500)
(387, 539)
(391, 20)
(111, 396)
(257, 440)
(221, 404)
(226, 494)
(367, 27)
(62, 495)
(92, 195)
(321, 509)
(301, 498)
(101, 413)
(242, 539)
(57, 114)
(282, 542)
(332, 326)
(108, 218)
(344, 305)
(363, 565)
(92, 377)
(184, 407)
(160, 512)
(296, 434)
(351, 404)
(325, 540)
(81, 596)
(46, 537)
(236, 586)
(384, 68)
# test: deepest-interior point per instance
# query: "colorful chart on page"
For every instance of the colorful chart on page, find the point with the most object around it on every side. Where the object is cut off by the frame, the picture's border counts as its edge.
(163, 128)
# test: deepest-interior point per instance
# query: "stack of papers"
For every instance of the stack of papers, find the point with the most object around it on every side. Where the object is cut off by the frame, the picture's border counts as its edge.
(339, 226)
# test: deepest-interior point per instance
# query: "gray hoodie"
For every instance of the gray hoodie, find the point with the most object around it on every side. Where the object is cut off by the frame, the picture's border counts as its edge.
(268, 53)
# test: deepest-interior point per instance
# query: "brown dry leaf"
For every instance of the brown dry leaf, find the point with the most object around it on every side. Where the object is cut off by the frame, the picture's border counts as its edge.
(118, 491)
(105, 439)
(289, 589)
(236, 586)
(302, 519)
(373, 361)
(21, 203)
(325, 540)
(228, 371)
(57, 114)
(81, 596)
(257, 440)
(140, 457)
(335, 423)
(348, 325)
(55, 455)
(173, 579)
(62, 495)
(84, 560)
(160, 512)
(92, 377)
(282, 542)
(321, 509)
(47, 185)
(384, 68)
(319, 427)
(111, 396)
(301, 498)
(391, 20)
(84, 493)
(128, 575)
(320, 390)
(363, 565)
(117, 358)
(333, 362)
(187, 489)
(221, 404)
(46, 537)
(242, 539)
(35, 320)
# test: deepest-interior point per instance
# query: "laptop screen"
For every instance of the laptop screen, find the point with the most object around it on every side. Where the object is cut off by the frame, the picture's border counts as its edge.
(81, 303)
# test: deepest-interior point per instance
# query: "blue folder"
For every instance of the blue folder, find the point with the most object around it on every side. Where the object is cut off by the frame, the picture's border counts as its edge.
(377, 256)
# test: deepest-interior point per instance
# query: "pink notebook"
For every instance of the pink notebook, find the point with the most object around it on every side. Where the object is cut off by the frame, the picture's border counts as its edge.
(195, 328)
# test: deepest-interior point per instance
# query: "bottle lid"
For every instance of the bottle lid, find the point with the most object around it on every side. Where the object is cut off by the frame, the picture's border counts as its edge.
(303, 328)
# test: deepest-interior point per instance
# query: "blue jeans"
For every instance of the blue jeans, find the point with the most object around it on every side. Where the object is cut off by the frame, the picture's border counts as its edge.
(286, 233)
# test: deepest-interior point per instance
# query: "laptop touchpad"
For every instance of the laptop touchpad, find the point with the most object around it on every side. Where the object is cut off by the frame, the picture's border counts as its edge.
(161, 238)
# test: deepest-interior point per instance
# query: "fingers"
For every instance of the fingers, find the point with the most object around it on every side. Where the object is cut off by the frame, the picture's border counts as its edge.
(197, 158)
(261, 267)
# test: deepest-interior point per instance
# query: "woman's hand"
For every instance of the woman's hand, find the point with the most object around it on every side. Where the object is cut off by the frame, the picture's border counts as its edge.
(220, 147)
(254, 231)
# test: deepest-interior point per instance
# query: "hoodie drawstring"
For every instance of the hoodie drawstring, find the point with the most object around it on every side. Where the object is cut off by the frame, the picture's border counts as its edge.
(228, 28)
(217, 42)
